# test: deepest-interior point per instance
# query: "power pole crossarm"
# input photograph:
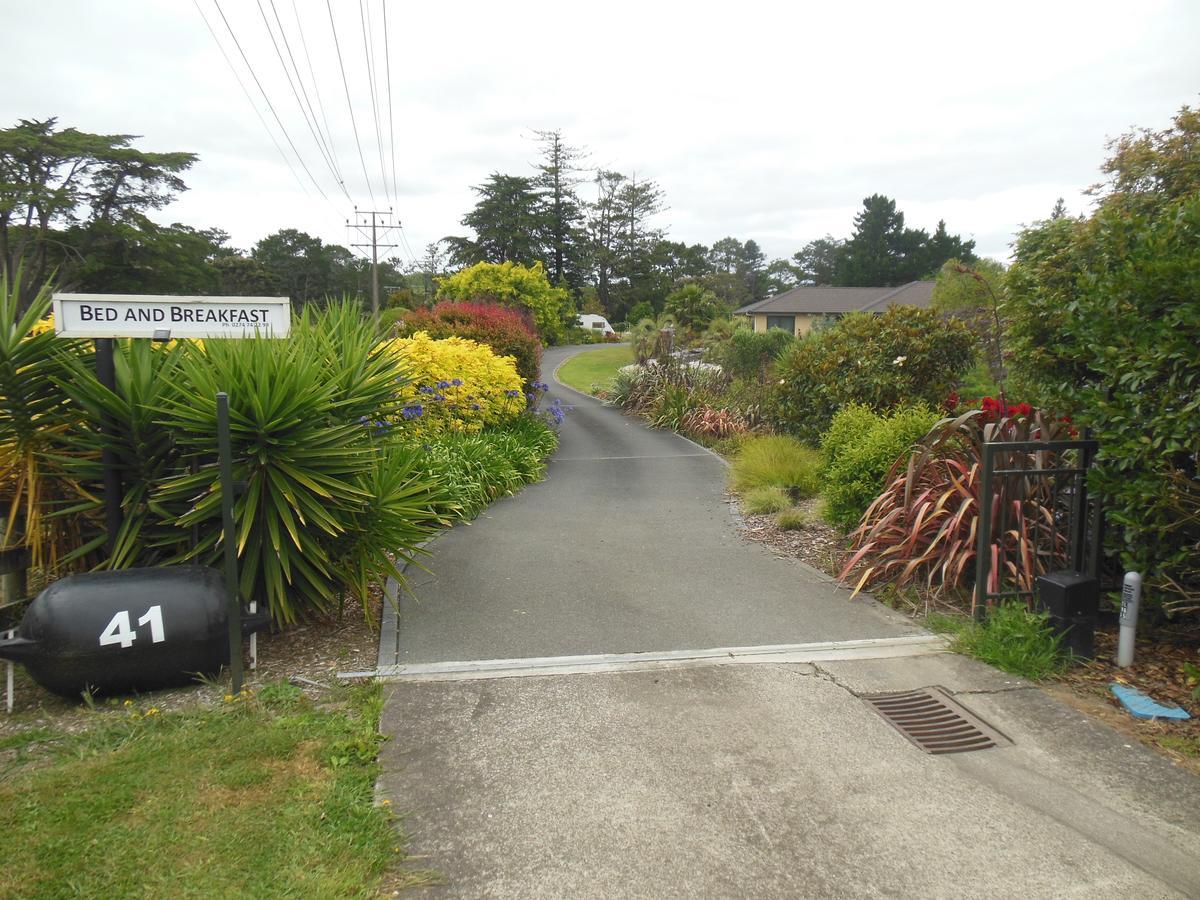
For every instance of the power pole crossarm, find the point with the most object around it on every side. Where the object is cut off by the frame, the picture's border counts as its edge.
(380, 227)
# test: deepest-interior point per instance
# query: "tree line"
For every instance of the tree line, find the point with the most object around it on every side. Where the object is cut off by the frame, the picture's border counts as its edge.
(77, 205)
(608, 249)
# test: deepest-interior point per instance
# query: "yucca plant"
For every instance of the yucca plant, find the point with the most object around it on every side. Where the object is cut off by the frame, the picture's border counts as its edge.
(143, 447)
(924, 525)
(310, 427)
(34, 414)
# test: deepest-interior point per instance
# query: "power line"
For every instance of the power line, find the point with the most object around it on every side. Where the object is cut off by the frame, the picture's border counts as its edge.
(412, 257)
(249, 99)
(315, 86)
(288, 75)
(270, 105)
(310, 116)
(387, 58)
(369, 58)
(349, 105)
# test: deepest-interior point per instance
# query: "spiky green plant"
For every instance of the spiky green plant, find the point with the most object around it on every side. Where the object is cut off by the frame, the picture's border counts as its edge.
(34, 414)
(143, 447)
(311, 441)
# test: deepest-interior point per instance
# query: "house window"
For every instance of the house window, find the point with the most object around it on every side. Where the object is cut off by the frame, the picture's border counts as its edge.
(787, 323)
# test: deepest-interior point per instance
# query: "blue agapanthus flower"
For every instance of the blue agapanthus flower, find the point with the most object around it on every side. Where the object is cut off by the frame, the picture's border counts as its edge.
(424, 389)
(513, 393)
(442, 385)
(413, 411)
(457, 382)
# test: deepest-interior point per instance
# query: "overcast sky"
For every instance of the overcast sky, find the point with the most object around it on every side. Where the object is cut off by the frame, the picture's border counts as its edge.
(760, 120)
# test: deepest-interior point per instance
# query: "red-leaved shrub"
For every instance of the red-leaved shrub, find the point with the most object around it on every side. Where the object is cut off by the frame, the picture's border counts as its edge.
(508, 331)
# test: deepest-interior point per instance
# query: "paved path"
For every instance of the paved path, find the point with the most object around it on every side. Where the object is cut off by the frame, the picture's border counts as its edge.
(726, 780)
(628, 545)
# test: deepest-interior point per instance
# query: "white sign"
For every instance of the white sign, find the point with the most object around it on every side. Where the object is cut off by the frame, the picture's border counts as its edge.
(165, 318)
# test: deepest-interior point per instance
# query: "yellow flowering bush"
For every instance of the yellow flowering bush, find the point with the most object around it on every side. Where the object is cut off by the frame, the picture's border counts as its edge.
(457, 384)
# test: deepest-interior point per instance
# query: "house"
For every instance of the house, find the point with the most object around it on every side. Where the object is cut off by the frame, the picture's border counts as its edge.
(799, 309)
(595, 323)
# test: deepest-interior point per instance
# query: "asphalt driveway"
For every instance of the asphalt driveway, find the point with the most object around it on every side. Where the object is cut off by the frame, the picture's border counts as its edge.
(628, 545)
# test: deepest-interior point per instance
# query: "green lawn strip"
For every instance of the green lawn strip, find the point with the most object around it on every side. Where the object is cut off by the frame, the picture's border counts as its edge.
(595, 368)
(266, 796)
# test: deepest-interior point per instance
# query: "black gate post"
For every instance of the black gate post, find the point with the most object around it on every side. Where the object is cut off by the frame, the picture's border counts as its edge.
(106, 374)
(233, 599)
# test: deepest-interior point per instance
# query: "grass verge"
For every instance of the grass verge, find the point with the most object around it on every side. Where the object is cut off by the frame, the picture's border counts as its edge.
(1012, 639)
(595, 368)
(262, 796)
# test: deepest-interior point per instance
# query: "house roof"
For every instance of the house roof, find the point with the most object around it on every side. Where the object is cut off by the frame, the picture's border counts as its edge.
(815, 300)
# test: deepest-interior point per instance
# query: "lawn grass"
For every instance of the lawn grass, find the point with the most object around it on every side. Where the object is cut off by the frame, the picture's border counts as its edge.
(595, 368)
(265, 796)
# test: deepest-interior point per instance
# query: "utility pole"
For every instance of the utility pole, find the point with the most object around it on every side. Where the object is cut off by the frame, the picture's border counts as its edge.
(380, 227)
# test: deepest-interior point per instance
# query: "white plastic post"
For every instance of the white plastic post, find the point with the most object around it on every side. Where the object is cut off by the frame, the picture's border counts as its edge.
(1131, 598)
(253, 639)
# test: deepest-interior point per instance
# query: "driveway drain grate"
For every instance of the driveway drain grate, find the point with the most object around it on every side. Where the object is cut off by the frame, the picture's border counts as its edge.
(935, 721)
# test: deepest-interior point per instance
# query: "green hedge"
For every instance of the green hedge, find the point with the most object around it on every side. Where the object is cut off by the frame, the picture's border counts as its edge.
(903, 355)
(859, 450)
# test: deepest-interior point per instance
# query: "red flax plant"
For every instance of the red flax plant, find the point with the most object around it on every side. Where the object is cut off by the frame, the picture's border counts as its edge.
(925, 523)
(718, 424)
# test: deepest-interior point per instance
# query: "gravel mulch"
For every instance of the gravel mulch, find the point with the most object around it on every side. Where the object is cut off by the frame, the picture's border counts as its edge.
(817, 543)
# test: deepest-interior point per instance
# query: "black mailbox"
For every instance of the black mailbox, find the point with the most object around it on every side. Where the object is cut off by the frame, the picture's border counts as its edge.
(1072, 600)
(136, 629)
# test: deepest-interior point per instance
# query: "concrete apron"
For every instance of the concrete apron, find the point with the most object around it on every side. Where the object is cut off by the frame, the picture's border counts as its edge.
(775, 780)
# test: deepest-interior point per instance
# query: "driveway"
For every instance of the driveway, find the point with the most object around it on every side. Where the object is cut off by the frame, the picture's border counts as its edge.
(672, 754)
(628, 545)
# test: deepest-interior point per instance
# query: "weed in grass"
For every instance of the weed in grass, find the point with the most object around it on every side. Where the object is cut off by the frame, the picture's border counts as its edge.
(793, 519)
(1014, 639)
(1183, 744)
(942, 623)
(764, 501)
(776, 461)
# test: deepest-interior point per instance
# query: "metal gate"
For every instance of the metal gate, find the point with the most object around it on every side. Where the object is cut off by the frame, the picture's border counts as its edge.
(1035, 516)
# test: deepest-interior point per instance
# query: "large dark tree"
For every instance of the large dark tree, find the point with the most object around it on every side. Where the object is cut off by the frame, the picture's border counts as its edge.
(53, 178)
(562, 210)
(883, 252)
(310, 271)
(507, 221)
(137, 256)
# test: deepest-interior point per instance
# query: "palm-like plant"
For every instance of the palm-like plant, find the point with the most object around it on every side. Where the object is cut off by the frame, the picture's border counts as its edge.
(310, 426)
(143, 447)
(34, 413)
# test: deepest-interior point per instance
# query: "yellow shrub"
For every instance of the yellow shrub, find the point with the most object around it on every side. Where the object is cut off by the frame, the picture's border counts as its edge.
(457, 384)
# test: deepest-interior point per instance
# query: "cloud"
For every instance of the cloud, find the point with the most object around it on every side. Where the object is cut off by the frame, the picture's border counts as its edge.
(758, 121)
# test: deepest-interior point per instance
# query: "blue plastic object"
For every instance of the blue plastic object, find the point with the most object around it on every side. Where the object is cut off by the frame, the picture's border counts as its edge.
(1144, 707)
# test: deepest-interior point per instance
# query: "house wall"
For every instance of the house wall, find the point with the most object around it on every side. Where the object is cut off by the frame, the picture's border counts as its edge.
(804, 323)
